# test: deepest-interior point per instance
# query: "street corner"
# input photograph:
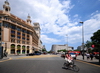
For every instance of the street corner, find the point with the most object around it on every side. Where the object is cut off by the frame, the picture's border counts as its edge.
(5, 59)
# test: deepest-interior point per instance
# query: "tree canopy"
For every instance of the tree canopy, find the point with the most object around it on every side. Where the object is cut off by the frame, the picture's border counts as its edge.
(96, 38)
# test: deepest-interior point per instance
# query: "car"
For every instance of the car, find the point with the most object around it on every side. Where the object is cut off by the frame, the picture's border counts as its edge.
(30, 54)
(73, 55)
(97, 56)
(63, 55)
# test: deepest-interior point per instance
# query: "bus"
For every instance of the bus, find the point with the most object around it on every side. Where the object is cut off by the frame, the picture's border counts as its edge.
(76, 52)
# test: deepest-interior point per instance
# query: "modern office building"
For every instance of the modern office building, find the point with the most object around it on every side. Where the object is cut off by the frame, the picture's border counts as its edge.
(17, 35)
(55, 48)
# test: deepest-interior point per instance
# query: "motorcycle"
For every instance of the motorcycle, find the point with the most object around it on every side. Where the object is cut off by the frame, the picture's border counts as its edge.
(71, 66)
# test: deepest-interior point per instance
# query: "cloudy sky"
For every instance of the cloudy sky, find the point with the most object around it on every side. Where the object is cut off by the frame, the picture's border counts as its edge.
(59, 19)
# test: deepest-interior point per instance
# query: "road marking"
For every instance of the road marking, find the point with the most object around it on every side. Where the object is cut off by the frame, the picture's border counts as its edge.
(88, 63)
(6, 60)
(39, 56)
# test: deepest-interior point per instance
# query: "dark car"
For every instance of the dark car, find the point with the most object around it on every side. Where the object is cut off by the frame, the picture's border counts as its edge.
(37, 53)
(30, 54)
(97, 56)
(63, 55)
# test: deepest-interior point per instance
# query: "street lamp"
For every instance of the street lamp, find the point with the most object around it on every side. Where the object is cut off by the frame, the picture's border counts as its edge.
(67, 42)
(82, 39)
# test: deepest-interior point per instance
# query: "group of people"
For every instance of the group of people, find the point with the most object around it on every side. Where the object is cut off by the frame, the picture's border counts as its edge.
(89, 56)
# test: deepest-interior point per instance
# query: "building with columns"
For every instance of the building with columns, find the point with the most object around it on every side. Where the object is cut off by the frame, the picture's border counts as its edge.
(17, 35)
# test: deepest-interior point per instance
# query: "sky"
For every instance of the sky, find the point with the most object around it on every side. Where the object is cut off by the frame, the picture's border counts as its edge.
(59, 19)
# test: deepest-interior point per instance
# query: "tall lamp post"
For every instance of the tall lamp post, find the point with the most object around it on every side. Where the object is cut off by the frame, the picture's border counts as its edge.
(82, 39)
(67, 42)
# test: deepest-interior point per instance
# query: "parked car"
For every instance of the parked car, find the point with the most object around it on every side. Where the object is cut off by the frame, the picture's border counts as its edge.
(63, 55)
(97, 56)
(73, 55)
(32, 54)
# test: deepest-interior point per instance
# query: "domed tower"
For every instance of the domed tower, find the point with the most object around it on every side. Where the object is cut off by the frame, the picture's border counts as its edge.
(6, 7)
(28, 19)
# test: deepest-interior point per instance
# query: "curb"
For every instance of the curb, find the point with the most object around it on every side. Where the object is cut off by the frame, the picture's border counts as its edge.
(92, 63)
(4, 59)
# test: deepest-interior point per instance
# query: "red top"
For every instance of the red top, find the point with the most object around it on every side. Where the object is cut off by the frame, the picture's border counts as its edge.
(68, 56)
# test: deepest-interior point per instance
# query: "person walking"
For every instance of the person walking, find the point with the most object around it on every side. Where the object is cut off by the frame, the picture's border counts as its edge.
(91, 56)
(88, 56)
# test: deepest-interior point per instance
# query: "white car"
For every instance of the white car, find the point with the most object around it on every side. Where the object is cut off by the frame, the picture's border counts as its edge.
(73, 55)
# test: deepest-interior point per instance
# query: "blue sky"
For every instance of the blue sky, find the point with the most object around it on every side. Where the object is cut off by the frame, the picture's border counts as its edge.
(59, 18)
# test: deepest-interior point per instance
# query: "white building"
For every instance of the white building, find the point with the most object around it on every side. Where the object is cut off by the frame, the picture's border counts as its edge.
(55, 48)
(80, 48)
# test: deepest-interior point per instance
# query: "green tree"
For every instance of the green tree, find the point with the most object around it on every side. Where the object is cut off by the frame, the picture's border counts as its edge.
(43, 50)
(88, 44)
(96, 39)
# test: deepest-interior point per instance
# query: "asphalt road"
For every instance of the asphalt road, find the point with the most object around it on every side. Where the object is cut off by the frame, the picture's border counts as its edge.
(48, 64)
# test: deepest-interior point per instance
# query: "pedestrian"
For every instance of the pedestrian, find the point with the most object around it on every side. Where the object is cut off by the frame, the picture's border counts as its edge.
(91, 56)
(88, 56)
(5, 53)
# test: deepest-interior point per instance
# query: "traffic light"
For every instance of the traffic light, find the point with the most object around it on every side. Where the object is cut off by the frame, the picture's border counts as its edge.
(93, 46)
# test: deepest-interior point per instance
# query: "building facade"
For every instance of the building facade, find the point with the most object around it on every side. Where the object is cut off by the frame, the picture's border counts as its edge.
(17, 35)
(80, 48)
(38, 31)
(55, 48)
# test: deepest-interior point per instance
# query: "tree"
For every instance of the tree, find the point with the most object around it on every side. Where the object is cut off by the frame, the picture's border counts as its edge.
(43, 50)
(96, 40)
(88, 44)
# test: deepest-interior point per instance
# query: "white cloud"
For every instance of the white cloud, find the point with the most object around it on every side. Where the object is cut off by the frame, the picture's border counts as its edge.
(53, 17)
(48, 40)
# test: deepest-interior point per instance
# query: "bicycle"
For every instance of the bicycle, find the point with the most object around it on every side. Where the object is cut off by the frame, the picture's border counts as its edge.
(71, 66)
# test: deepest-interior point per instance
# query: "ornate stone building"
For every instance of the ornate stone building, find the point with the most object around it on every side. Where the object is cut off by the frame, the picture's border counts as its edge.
(38, 31)
(17, 35)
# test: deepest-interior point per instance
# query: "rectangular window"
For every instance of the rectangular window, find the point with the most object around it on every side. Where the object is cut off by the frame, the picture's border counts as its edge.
(18, 33)
(0, 24)
(18, 37)
(18, 41)
(19, 29)
(12, 36)
(0, 17)
(13, 40)
(23, 34)
(23, 38)
(12, 31)
(23, 30)
(23, 42)
(27, 42)
(6, 25)
(13, 27)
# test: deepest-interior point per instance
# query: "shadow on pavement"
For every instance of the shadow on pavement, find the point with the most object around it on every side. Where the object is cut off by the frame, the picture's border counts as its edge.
(97, 63)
